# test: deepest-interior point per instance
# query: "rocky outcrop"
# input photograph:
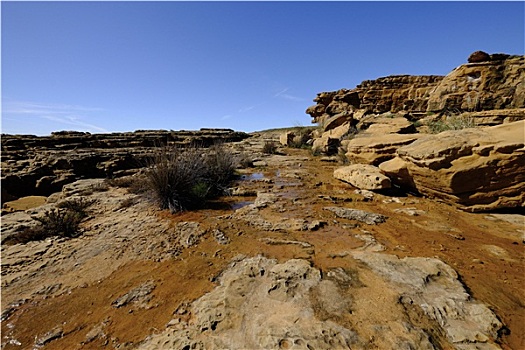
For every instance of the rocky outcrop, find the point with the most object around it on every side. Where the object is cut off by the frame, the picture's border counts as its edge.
(388, 118)
(388, 94)
(481, 86)
(488, 82)
(33, 165)
(478, 169)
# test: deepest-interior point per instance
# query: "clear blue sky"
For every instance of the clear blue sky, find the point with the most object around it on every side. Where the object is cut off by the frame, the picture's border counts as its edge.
(123, 66)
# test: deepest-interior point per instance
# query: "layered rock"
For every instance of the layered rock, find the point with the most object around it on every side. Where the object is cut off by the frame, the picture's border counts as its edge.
(477, 169)
(489, 83)
(481, 86)
(33, 165)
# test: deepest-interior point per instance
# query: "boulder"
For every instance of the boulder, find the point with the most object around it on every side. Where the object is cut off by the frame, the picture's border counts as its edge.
(386, 125)
(477, 169)
(362, 176)
(478, 56)
(338, 132)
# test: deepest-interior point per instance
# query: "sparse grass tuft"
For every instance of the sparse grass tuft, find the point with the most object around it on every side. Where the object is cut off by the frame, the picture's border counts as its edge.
(451, 123)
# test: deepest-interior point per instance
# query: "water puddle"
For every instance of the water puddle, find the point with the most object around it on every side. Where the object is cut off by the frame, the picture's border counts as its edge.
(239, 205)
(252, 177)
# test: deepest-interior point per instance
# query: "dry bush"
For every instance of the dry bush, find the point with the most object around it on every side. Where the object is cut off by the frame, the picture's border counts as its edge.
(451, 123)
(78, 205)
(219, 169)
(269, 147)
(182, 179)
(55, 222)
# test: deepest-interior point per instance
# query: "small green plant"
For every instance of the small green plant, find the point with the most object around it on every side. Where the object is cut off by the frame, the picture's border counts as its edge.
(269, 147)
(219, 170)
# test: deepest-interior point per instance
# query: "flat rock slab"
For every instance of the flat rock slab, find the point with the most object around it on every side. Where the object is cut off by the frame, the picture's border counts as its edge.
(359, 215)
(363, 176)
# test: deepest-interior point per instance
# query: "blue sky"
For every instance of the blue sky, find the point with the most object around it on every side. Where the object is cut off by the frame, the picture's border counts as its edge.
(123, 66)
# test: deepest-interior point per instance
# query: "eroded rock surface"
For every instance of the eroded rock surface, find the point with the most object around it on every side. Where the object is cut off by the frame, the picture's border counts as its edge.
(478, 169)
(261, 303)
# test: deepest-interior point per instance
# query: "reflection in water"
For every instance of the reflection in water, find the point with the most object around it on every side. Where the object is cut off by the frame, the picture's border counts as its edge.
(254, 176)
(239, 205)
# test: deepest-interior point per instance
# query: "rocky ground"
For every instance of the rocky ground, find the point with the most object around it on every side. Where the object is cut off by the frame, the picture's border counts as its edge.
(294, 259)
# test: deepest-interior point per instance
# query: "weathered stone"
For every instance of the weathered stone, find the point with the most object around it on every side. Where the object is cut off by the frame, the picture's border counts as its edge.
(359, 215)
(481, 86)
(336, 120)
(338, 132)
(139, 295)
(477, 169)
(466, 322)
(363, 176)
(386, 125)
(375, 149)
(41, 165)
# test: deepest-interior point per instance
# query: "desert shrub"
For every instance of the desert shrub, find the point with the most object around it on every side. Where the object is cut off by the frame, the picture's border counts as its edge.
(450, 123)
(55, 222)
(301, 138)
(341, 156)
(269, 147)
(78, 205)
(63, 223)
(219, 170)
(182, 179)
(244, 161)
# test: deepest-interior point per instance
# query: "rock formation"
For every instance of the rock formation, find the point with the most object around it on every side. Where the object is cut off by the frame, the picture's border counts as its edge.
(294, 258)
(33, 165)
(478, 168)
(390, 117)
(484, 84)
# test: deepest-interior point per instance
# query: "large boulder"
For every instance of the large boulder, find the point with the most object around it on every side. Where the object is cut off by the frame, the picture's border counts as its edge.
(478, 169)
(362, 176)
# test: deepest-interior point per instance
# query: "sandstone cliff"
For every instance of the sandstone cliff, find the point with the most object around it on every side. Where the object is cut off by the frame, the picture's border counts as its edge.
(494, 84)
